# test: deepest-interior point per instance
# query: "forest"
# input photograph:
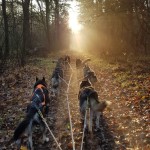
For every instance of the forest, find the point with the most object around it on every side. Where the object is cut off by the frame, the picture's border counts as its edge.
(122, 25)
(29, 25)
(75, 74)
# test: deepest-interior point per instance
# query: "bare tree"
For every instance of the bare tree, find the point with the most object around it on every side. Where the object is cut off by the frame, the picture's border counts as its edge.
(6, 52)
(57, 19)
(26, 30)
(47, 2)
(46, 22)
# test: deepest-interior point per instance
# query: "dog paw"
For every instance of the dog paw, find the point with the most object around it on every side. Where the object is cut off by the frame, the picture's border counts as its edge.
(97, 128)
(45, 140)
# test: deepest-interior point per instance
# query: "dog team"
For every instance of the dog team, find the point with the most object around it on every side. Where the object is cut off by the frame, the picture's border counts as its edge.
(40, 101)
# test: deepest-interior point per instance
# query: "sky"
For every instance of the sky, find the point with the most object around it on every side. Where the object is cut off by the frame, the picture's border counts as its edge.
(73, 16)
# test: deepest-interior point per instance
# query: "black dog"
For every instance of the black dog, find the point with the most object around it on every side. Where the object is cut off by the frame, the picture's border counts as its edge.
(67, 61)
(89, 74)
(88, 98)
(56, 80)
(57, 76)
(39, 101)
(59, 69)
(92, 77)
(80, 63)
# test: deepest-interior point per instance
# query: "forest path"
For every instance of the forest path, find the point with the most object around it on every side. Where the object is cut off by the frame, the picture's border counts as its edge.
(123, 126)
(63, 124)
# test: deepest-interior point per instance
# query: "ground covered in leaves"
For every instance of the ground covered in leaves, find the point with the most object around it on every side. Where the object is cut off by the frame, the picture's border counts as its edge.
(123, 82)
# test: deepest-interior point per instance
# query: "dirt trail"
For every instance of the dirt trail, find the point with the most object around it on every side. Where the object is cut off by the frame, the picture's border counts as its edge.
(122, 126)
(62, 124)
(62, 121)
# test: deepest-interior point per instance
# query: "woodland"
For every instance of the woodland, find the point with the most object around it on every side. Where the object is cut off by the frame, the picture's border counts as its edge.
(114, 34)
(116, 26)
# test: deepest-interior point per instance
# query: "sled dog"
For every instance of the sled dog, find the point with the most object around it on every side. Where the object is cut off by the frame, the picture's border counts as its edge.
(88, 98)
(39, 101)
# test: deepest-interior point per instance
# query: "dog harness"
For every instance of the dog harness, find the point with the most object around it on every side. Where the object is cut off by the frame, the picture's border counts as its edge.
(40, 86)
(38, 102)
(85, 93)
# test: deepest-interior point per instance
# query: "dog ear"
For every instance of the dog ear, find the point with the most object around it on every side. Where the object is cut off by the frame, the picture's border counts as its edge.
(43, 79)
(37, 78)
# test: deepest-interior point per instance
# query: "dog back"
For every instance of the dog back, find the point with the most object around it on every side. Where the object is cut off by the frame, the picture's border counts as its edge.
(78, 63)
(87, 93)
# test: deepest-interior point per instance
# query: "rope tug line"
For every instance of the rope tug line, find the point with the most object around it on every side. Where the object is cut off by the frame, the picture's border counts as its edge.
(44, 120)
(85, 122)
(67, 99)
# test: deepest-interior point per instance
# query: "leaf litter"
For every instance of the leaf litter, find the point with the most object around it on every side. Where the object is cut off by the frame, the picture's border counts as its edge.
(123, 126)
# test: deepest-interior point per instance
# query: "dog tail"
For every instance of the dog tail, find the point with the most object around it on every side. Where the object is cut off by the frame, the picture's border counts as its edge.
(54, 61)
(98, 105)
(20, 129)
(85, 61)
(101, 106)
(23, 125)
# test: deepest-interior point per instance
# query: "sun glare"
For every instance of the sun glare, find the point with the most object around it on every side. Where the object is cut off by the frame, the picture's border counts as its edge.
(74, 25)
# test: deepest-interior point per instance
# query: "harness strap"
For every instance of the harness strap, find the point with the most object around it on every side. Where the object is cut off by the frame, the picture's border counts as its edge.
(40, 86)
(88, 103)
(85, 122)
(44, 120)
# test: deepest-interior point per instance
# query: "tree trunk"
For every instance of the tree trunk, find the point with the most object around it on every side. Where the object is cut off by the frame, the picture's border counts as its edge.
(26, 30)
(31, 21)
(57, 39)
(47, 2)
(6, 52)
(43, 19)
